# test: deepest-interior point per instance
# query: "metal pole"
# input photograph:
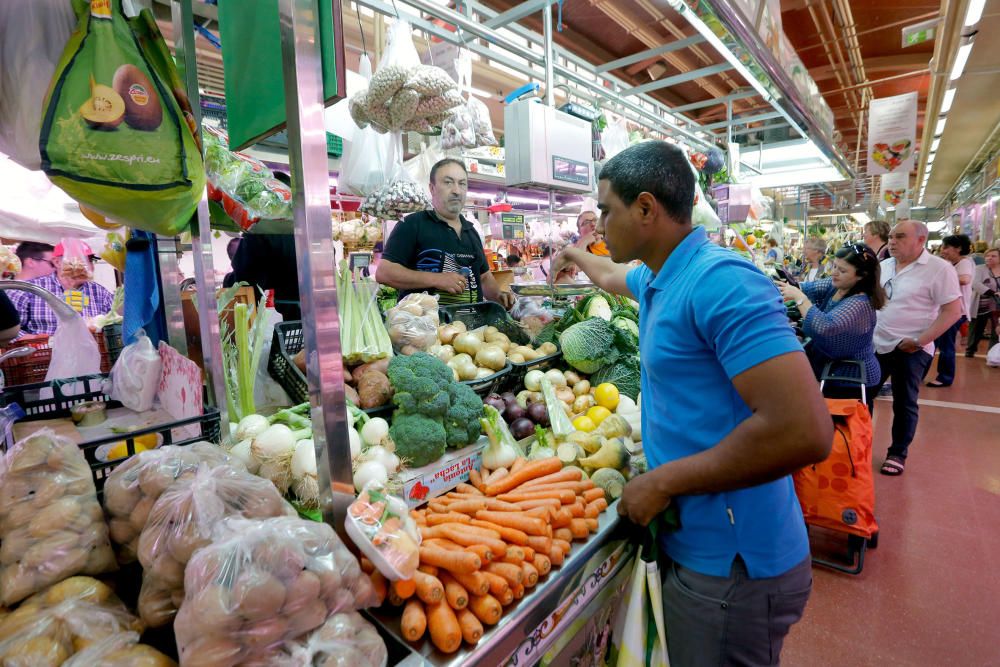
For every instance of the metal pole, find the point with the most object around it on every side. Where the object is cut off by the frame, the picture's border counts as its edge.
(170, 281)
(550, 92)
(302, 68)
(201, 236)
(729, 122)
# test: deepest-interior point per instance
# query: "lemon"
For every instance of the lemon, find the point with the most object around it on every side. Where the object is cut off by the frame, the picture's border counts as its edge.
(584, 423)
(120, 450)
(598, 413)
(607, 396)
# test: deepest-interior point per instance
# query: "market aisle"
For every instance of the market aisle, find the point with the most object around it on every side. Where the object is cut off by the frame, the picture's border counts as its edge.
(930, 593)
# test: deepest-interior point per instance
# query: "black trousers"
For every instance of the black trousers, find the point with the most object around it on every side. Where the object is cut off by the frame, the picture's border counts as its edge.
(977, 332)
(907, 372)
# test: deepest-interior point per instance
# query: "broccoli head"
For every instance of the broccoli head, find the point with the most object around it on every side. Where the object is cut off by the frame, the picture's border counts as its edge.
(462, 419)
(419, 439)
(421, 384)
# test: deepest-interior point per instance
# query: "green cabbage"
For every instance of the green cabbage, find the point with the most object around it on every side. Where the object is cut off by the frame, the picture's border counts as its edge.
(624, 374)
(589, 346)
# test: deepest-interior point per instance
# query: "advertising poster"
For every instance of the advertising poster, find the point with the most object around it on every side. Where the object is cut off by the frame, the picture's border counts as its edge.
(892, 134)
(894, 189)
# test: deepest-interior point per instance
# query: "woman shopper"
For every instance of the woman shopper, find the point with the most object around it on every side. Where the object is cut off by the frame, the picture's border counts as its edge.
(985, 301)
(838, 313)
(814, 251)
(955, 249)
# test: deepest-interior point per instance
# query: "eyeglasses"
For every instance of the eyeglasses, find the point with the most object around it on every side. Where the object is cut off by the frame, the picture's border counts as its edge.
(888, 289)
(861, 249)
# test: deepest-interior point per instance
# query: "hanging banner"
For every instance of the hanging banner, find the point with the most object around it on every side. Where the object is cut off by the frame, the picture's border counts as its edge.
(894, 188)
(892, 134)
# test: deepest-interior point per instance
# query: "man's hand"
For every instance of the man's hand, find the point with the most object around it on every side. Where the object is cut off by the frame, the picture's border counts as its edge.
(790, 293)
(453, 283)
(586, 240)
(564, 259)
(644, 497)
(507, 300)
(908, 345)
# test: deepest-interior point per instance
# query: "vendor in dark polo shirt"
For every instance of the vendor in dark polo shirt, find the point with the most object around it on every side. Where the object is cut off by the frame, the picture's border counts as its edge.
(439, 251)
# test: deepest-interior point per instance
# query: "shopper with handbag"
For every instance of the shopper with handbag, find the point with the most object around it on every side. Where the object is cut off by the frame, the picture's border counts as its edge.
(985, 304)
(735, 410)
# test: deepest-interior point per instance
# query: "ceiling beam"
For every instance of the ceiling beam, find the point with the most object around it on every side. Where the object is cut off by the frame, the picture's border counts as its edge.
(903, 61)
(650, 53)
(678, 78)
(518, 12)
(744, 120)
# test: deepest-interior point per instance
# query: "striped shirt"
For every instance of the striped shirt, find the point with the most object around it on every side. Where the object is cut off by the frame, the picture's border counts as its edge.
(37, 317)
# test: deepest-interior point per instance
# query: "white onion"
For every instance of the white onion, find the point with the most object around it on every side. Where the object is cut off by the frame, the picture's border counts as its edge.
(388, 460)
(533, 380)
(251, 426)
(276, 441)
(241, 451)
(304, 459)
(375, 431)
(355, 441)
(370, 471)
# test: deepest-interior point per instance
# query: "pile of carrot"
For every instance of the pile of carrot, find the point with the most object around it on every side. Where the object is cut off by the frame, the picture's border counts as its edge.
(486, 544)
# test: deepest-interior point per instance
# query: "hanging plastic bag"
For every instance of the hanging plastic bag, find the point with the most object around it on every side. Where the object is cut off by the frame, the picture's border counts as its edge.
(458, 129)
(641, 613)
(136, 374)
(480, 132)
(615, 138)
(397, 199)
(367, 154)
(420, 166)
(133, 488)
(32, 37)
(181, 521)
(114, 136)
(345, 640)
(261, 583)
(482, 122)
(74, 350)
(51, 522)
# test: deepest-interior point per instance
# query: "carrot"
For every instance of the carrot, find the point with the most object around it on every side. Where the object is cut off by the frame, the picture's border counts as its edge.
(556, 556)
(468, 488)
(443, 544)
(483, 551)
(564, 496)
(447, 517)
(564, 475)
(467, 506)
(591, 495)
(542, 544)
(475, 539)
(563, 534)
(592, 525)
(529, 553)
(518, 591)
(562, 544)
(472, 629)
(527, 524)
(594, 508)
(497, 584)
(429, 587)
(474, 582)
(446, 531)
(507, 597)
(394, 598)
(514, 555)
(454, 561)
(575, 487)
(495, 505)
(476, 479)
(445, 631)
(512, 573)
(486, 608)
(454, 592)
(530, 574)
(511, 535)
(438, 507)
(496, 475)
(542, 564)
(404, 588)
(428, 569)
(562, 517)
(414, 621)
(535, 503)
(380, 584)
(367, 566)
(578, 509)
(519, 463)
(530, 470)
(543, 513)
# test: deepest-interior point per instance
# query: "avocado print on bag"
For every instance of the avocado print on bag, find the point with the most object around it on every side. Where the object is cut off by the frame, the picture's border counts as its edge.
(113, 135)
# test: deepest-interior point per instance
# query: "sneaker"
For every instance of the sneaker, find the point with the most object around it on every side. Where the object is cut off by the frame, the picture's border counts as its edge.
(886, 389)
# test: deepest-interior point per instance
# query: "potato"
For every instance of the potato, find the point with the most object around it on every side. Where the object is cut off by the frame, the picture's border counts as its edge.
(300, 592)
(17, 583)
(265, 633)
(59, 514)
(78, 588)
(122, 532)
(258, 595)
(306, 618)
(374, 390)
(140, 513)
(37, 651)
(154, 480)
(155, 605)
(14, 545)
(211, 651)
(212, 610)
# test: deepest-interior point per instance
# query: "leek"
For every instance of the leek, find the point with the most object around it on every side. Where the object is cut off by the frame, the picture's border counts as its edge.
(561, 426)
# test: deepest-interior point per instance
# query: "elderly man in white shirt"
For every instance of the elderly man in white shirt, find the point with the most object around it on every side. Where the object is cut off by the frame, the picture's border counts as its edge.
(924, 301)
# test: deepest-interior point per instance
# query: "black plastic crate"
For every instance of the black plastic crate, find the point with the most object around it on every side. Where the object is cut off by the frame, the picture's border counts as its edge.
(53, 400)
(113, 341)
(484, 314)
(515, 378)
(489, 384)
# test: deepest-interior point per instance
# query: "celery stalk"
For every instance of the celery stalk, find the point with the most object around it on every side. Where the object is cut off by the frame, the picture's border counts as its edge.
(245, 372)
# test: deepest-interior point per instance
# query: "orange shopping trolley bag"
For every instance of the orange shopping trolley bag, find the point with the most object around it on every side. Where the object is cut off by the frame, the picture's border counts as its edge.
(838, 494)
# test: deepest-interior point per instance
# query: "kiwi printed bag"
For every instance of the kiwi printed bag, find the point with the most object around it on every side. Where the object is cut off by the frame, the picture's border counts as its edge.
(113, 134)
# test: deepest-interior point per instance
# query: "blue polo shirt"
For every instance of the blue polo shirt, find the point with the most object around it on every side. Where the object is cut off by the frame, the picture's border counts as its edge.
(708, 316)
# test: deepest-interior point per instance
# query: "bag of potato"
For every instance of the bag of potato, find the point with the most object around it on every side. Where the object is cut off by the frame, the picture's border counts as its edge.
(67, 618)
(50, 521)
(261, 583)
(120, 650)
(345, 640)
(180, 522)
(133, 487)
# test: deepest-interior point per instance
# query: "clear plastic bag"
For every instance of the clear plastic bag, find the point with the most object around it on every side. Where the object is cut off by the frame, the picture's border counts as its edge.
(399, 198)
(134, 487)
(261, 583)
(121, 649)
(379, 523)
(482, 122)
(615, 138)
(345, 640)
(413, 323)
(136, 374)
(703, 214)
(181, 521)
(74, 350)
(458, 129)
(51, 522)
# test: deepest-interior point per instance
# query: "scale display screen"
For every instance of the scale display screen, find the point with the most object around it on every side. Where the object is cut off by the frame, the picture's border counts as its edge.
(570, 171)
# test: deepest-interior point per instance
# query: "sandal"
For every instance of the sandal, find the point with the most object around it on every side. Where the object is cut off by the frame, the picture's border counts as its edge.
(937, 385)
(893, 466)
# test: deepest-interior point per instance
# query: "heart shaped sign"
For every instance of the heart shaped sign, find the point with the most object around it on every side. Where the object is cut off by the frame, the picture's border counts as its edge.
(891, 156)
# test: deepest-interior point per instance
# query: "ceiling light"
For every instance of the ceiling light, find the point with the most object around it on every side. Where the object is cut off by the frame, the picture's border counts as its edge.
(935, 144)
(960, 60)
(939, 128)
(974, 13)
(949, 97)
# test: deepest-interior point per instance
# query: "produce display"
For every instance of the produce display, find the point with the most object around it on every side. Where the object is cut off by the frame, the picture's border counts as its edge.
(50, 521)
(181, 522)
(261, 583)
(133, 487)
(479, 353)
(357, 233)
(413, 323)
(363, 337)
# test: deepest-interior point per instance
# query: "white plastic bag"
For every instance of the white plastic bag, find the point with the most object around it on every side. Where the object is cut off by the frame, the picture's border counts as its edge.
(614, 139)
(368, 155)
(74, 350)
(135, 376)
(993, 357)
(345, 640)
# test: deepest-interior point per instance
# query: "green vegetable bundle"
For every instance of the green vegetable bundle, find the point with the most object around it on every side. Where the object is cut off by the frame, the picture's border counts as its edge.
(363, 337)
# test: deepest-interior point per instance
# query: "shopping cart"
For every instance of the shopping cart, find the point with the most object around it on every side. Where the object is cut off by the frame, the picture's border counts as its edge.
(838, 495)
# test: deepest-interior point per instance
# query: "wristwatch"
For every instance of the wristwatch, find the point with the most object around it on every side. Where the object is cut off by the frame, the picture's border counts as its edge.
(800, 302)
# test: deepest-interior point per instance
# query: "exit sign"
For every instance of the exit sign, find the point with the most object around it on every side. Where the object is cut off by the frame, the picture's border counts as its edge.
(918, 33)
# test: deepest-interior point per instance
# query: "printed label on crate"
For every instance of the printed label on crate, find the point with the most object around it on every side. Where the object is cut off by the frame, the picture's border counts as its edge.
(436, 479)
(533, 647)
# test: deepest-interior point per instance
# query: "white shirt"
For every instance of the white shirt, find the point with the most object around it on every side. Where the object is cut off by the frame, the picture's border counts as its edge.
(966, 267)
(916, 294)
(812, 274)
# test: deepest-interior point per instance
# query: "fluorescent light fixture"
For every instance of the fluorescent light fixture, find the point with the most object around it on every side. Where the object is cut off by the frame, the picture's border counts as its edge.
(939, 128)
(781, 179)
(949, 97)
(482, 93)
(935, 144)
(960, 60)
(917, 208)
(974, 13)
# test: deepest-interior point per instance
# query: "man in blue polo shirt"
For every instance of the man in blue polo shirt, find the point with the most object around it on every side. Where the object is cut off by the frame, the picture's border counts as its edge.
(737, 410)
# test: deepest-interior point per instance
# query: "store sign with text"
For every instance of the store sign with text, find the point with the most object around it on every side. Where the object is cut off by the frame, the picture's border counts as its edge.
(892, 134)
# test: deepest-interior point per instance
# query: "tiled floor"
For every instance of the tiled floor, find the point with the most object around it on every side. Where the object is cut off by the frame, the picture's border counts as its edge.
(930, 594)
